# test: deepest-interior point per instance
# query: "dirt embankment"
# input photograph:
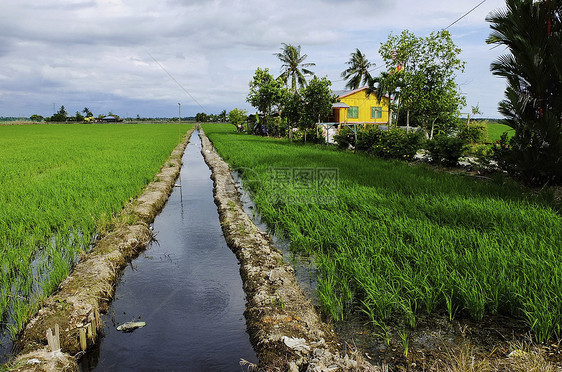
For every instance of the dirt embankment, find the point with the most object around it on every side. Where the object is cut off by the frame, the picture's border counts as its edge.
(76, 306)
(284, 327)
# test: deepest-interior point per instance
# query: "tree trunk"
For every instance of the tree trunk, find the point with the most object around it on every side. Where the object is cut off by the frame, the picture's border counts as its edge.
(432, 128)
(407, 121)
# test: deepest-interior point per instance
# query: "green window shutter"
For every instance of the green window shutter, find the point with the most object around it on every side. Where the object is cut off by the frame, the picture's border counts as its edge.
(376, 112)
(353, 112)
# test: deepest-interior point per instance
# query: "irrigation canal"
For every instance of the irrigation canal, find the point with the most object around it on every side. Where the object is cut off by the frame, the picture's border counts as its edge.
(186, 287)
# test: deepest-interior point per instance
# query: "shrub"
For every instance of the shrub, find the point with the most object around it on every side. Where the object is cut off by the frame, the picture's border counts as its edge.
(474, 133)
(237, 117)
(446, 149)
(398, 144)
(345, 138)
(367, 138)
(276, 126)
(311, 136)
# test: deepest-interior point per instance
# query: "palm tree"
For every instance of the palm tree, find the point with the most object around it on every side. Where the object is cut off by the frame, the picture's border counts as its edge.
(358, 71)
(387, 84)
(532, 32)
(293, 67)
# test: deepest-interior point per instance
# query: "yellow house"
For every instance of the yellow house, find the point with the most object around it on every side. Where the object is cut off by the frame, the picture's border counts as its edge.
(355, 107)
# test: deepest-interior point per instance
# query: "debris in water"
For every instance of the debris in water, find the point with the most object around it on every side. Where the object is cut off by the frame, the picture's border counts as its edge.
(130, 326)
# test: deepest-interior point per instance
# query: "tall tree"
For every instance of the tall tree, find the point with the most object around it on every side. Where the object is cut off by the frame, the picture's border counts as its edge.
(427, 68)
(532, 32)
(357, 73)
(266, 93)
(387, 84)
(318, 99)
(61, 115)
(293, 67)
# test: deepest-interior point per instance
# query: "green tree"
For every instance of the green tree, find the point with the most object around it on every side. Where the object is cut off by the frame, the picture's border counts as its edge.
(78, 117)
(387, 84)
(223, 116)
(318, 99)
(427, 68)
(532, 33)
(293, 67)
(61, 115)
(36, 117)
(237, 117)
(357, 73)
(266, 94)
(201, 117)
(87, 112)
(293, 109)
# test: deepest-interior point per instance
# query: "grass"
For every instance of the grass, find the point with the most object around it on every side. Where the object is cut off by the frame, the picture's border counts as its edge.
(59, 186)
(495, 130)
(394, 240)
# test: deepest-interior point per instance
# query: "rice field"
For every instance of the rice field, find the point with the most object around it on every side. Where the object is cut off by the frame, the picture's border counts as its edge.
(495, 130)
(60, 185)
(394, 240)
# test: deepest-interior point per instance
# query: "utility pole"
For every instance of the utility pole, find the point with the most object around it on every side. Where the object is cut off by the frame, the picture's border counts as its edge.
(179, 122)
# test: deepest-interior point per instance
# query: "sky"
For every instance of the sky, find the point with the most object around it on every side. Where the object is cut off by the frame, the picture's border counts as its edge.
(143, 57)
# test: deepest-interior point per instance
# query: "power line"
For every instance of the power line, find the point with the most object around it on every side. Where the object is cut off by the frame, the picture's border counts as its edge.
(458, 19)
(177, 82)
(465, 14)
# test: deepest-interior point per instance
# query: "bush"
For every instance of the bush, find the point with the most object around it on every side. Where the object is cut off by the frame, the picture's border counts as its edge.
(366, 138)
(276, 126)
(445, 149)
(311, 136)
(237, 117)
(475, 133)
(398, 144)
(345, 138)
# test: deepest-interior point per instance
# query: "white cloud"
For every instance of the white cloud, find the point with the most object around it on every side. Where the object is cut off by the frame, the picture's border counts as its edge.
(96, 53)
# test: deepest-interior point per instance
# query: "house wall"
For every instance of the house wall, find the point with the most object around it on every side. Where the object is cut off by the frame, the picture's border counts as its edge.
(364, 103)
(339, 115)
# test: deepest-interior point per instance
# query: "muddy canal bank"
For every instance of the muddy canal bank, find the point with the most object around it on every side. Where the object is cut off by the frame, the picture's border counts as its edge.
(75, 309)
(285, 329)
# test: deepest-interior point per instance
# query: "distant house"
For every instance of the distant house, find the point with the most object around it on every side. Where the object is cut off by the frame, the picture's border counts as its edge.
(355, 107)
(110, 119)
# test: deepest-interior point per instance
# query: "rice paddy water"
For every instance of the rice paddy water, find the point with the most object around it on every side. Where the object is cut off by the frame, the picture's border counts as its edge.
(186, 287)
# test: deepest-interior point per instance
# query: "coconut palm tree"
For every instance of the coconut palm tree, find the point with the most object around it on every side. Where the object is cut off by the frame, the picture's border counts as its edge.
(357, 73)
(532, 32)
(387, 84)
(293, 67)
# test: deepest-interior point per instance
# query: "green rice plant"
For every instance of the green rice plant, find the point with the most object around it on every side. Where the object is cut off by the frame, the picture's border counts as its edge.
(450, 305)
(397, 240)
(404, 341)
(60, 187)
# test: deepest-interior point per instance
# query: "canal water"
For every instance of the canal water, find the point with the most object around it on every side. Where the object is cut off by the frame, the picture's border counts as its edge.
(186, 287)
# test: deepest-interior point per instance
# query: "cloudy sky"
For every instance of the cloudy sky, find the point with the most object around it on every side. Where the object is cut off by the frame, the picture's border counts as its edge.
(102, 54)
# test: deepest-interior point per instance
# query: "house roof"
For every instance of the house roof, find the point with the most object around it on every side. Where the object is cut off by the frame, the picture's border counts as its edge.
(345, 93)
(340, 105)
